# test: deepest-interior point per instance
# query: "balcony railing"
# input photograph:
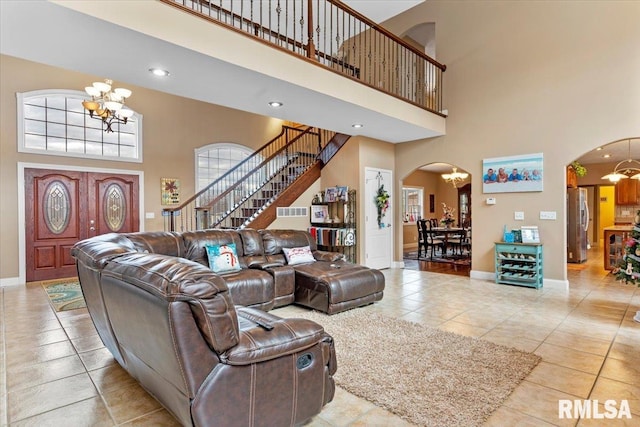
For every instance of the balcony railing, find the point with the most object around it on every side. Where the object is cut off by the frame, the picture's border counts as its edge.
(333, 35)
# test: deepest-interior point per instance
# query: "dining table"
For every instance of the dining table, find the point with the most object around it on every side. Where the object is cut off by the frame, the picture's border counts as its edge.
(446, 233)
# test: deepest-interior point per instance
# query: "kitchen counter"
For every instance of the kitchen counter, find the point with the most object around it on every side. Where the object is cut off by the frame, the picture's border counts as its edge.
(619, 228)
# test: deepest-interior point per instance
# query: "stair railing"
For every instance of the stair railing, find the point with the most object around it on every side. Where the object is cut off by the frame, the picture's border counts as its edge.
(331, 34)
(232, 192)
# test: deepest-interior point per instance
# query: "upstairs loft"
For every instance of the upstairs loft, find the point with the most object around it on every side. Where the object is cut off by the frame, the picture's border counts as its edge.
(221, 65)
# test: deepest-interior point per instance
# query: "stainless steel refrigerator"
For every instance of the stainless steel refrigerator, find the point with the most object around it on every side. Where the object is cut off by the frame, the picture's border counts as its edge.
(577, 224)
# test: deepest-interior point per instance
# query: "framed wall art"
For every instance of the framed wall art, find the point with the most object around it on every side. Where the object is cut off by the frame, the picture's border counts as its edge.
(319, 213)
(513, 174)
(170, 191)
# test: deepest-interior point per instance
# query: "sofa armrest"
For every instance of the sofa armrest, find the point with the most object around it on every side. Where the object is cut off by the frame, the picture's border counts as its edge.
(178, 279)
(265, 265)
(328, 256)
(264, 336)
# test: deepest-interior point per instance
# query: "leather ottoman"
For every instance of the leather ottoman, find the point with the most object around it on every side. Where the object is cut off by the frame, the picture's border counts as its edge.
(336, 287)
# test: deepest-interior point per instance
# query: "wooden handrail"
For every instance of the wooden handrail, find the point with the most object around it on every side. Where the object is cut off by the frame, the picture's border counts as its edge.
(381, 60)
(233, 169)
(257, 168)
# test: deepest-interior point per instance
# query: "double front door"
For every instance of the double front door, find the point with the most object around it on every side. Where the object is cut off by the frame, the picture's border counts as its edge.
(63, 207)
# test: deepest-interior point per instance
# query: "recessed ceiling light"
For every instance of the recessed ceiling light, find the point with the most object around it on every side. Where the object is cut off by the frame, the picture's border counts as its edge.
(159, 72)
(275, 104)
(599, 148)
(357, 125)
(606, 156)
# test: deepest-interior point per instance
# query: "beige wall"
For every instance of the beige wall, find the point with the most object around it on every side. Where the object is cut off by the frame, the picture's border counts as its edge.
(172, 128)
(559, 78)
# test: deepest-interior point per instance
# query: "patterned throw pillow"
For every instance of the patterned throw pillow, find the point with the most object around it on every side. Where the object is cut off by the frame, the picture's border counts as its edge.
(298, 255)
(223, 258)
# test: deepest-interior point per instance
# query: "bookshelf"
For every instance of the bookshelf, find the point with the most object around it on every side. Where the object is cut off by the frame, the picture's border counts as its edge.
(333, 222)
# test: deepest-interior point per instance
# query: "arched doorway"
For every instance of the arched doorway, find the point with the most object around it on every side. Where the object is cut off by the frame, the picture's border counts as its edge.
(425, 194)
(612, 205)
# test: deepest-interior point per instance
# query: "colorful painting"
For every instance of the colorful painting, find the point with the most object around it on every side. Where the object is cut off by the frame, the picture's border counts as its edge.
(170, 191)
(513, 174)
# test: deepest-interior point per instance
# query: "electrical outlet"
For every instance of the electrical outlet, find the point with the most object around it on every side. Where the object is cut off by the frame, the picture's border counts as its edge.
(518, 216)
(548, 215)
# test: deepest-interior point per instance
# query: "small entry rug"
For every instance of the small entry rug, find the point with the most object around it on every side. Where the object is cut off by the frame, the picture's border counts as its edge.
(65, 296)
(427, 376)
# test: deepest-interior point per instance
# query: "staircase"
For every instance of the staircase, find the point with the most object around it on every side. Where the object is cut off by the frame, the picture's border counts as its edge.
(249, 193)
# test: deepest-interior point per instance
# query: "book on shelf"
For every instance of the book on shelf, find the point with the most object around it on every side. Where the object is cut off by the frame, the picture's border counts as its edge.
(325, 236)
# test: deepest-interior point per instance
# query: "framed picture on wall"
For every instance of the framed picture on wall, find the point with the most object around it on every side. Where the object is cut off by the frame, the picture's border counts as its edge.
(513, 174)
(170, 191)
(319, 213)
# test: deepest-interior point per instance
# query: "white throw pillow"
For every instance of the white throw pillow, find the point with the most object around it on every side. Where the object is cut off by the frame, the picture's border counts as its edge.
(298, 255)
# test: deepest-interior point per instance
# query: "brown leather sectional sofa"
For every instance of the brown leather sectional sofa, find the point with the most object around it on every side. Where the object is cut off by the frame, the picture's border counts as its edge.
(202, 343)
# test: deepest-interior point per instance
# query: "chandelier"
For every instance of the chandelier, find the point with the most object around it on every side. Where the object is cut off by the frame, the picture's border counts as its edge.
(625, 169)
(455, 177)
(106, 104)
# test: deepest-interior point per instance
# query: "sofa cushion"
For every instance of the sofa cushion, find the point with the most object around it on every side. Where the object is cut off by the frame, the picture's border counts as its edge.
(195, 242)
(300, 255)
(252, 248)
(223, 258)
(275, 240)
(158, 242)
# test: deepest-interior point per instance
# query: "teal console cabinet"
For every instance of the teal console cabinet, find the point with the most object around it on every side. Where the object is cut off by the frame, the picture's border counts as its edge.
(519, 264)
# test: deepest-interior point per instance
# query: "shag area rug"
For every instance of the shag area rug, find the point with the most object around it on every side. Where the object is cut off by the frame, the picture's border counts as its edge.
(424, 375)
(65, 296)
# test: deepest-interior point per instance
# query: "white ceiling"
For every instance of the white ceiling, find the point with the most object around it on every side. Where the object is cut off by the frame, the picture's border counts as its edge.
(60, 35)
(618, 151)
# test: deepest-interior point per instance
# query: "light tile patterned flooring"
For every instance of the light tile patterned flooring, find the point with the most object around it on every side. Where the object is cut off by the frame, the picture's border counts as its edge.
(55, 371)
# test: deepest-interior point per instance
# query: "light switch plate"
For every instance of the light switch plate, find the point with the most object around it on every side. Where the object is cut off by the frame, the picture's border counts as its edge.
(491, 200)
(547, 214)
(518, 216)
(149, 215)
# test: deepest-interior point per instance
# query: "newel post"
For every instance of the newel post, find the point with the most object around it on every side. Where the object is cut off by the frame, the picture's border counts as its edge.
(311, 49)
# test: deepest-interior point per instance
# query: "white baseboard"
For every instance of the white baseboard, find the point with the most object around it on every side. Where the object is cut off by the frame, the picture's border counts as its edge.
(397, 264)
(482, 275)
(560, 285)
(9, 281)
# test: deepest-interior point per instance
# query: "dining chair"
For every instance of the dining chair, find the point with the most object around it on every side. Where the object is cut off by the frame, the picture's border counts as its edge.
(434, 224)
(456, 241)
(422, 243)
(431, 242)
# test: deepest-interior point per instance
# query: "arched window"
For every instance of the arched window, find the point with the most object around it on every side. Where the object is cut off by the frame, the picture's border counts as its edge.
(54, 122)
(214, 160)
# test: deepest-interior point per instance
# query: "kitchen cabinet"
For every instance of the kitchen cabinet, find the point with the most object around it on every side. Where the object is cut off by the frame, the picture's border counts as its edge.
(614, 245)
(628, 192)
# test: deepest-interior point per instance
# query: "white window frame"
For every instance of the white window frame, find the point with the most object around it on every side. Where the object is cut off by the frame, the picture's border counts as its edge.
(405, 207)
(23, 96)
(217, 145)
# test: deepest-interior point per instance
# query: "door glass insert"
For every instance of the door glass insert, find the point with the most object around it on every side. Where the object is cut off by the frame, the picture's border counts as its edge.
(57, 207)
(114, 207)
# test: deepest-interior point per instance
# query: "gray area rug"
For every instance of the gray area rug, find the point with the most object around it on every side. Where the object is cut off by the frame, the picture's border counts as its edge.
(427, 376)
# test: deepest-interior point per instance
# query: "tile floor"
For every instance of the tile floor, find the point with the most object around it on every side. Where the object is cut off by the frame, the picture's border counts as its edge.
(54, 370)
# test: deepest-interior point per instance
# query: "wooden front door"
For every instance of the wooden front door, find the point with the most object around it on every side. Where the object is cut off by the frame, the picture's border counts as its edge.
(63, 207)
